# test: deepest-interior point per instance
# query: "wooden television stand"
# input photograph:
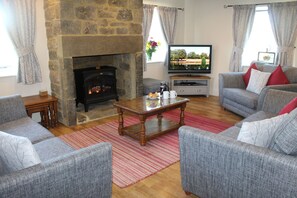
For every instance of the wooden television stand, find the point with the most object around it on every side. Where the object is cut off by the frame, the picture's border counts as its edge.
(190, 85)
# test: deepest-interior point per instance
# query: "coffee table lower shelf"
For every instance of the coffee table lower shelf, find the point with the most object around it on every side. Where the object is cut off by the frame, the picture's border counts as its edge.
(153, 128)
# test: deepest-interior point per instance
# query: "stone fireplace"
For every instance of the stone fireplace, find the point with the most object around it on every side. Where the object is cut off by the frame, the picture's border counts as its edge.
(93, 33)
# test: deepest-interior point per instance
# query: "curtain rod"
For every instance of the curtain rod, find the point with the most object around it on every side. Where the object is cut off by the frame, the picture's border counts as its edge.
(182, 9)
(229, 6)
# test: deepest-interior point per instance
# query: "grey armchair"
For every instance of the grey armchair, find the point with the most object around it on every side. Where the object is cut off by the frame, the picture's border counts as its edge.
(217, 165)
(63, 171)
(234, 96)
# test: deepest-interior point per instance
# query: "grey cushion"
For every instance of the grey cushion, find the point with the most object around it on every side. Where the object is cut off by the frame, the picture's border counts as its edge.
(28, 128)
(52, 148)
(291, 73)
(242, 96)
(16, 153)
(12, 108)
(151, 85)
(231, 132)
(260, 133)
(260, 115)
(285, 138)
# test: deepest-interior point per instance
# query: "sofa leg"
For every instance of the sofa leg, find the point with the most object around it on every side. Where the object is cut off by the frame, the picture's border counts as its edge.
(188, 193)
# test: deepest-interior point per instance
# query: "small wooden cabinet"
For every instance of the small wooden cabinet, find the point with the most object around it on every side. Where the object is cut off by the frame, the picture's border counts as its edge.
(190, 85)
(46, 105)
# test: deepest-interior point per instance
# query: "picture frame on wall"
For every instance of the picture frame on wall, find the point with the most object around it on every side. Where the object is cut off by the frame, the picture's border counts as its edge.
(268, 57)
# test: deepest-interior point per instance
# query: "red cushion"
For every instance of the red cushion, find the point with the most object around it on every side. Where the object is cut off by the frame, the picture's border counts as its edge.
(247, 75)
(278, 77)
(289, 107)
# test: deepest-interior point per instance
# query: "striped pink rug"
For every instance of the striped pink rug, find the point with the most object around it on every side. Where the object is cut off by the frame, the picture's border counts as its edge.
(132, 162)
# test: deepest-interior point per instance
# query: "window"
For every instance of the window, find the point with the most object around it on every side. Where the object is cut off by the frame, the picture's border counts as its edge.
(156, 34)
(261, 38)
(8, 56)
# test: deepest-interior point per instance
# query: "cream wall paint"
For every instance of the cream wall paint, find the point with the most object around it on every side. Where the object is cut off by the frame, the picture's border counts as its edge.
(8, 85)
(208, 22)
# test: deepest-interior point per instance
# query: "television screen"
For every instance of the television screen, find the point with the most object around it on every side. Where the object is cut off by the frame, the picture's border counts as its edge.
(189, 58)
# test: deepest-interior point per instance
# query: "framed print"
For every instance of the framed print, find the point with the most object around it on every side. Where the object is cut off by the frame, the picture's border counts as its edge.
(267, 57)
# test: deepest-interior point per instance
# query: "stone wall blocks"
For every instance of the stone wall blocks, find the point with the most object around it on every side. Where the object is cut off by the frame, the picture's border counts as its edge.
(122, 30)
(102, 22)
(108, 31)
(118, 3)
(89, 28)
(53, 65)
(125, 15)
(98, 2)
(66, 10)
(135, 28)
(136, 4)
(118, 24)
(53, 54)
(70, 27)
(86, 12)
(102, 13)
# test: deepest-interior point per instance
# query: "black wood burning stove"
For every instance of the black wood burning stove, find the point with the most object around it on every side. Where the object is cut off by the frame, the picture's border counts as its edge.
(95, 85)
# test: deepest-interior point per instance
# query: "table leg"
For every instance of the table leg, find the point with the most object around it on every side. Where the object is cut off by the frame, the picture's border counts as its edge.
(121, 121)
(51, 114)
(142, 130)
(182, 114)
(159, 116)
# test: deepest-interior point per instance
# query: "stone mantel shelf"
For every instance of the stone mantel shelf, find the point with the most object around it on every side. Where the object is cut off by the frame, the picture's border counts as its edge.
(86, 45)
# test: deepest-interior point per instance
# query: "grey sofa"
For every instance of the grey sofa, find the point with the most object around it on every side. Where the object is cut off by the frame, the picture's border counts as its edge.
(217, 165)
(63, 171)
(234, 96)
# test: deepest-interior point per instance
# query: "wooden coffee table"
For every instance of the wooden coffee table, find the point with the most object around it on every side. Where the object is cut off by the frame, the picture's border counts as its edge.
(143, 107)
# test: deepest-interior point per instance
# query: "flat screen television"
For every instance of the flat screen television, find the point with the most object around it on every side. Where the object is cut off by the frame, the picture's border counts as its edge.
(189, 59)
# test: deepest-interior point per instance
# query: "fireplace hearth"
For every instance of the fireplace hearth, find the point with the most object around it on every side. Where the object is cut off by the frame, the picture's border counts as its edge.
(95, 85)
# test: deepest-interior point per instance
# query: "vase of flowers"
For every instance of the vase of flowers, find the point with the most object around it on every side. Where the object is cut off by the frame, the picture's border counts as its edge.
(151, 47)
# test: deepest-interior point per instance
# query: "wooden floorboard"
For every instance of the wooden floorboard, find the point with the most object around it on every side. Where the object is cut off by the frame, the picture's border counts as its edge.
(166, 183)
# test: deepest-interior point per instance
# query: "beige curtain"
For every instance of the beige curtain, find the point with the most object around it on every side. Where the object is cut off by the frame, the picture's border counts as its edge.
(148, 11)
(243, 18)
(20, 20)
(283, 19)
(168, 18)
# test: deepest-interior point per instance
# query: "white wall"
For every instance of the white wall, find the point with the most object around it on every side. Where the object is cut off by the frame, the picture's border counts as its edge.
(8, 85)
(208, 22)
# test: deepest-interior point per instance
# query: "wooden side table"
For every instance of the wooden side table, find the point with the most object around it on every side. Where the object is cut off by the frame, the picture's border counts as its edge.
(46, 105)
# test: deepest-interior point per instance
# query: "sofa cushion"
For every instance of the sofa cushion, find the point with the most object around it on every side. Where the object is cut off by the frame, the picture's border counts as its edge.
(28, 128)
(242, 96)
(247, 75)
(289, 107)
(16, 153)
(260, 115)
(231, 132)
(291, 74)
(52, 148)
(285, 138)
(278, 77)
(258, 81)
(260, 133)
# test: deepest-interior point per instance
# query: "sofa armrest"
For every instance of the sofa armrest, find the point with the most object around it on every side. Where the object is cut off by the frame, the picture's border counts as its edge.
(262, 100)
(11, 108)
(83, 173)
(230, 80)
(217, 166)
